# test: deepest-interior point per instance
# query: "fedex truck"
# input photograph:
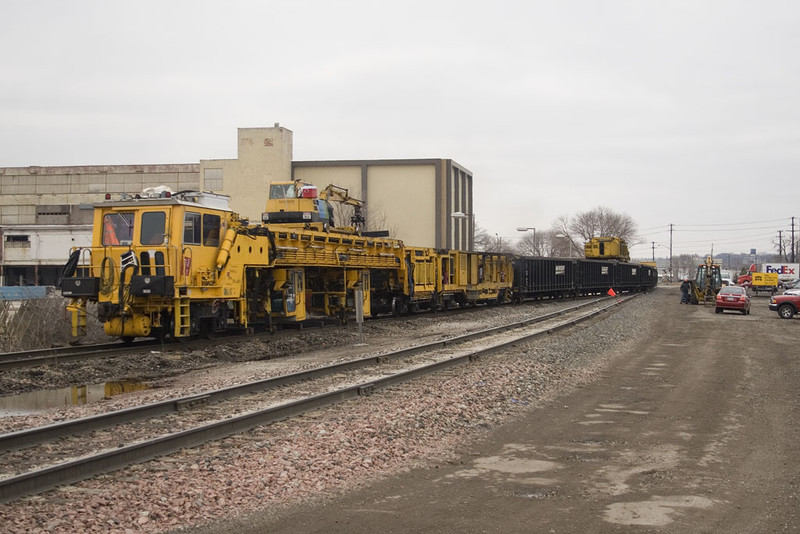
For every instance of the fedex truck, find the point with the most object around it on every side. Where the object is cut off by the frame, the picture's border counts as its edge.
(786, 271)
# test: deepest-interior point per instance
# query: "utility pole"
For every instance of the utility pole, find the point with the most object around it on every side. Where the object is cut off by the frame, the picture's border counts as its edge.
(793, 247)
(654, 251)
(781, 257)
(670, 251)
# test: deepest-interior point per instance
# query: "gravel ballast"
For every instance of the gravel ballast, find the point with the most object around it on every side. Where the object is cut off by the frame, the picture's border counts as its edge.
(332, 450)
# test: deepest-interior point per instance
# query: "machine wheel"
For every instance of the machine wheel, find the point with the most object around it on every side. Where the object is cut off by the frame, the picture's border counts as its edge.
(398, 307)
(786, 311)
(208, 331)
(127, 339)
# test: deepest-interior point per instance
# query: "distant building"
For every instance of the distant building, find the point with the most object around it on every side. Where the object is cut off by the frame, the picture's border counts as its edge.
(44, 211)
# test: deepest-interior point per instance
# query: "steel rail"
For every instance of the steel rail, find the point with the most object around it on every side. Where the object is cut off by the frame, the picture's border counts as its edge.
(40, 480)
(56, 355)
(27, 358)
(33, 436)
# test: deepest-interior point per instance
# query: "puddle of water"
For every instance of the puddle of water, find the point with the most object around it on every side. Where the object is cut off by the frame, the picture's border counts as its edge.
(37, 401)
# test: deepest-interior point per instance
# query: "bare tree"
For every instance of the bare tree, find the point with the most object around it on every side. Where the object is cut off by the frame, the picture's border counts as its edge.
(377, 219)
(599, 222)
(529, 245)
(686, 265)
(540, 243)
(488, 242)
(482, 239)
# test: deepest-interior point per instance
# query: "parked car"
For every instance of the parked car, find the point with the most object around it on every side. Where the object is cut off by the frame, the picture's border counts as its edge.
(785, 305)
(733, 298)
(792, 288)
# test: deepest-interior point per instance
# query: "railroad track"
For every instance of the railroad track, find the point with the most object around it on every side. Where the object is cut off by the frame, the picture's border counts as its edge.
(56, 355)
(41, 458)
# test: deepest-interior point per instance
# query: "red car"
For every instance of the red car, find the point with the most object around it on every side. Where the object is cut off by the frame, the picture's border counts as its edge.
(733, 298)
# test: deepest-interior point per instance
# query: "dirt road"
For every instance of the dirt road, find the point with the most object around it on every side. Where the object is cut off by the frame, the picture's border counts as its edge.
(692, 430)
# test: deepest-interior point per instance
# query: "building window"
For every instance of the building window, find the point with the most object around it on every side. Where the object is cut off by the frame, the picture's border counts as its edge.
(53, 214)
(212, 179)
(18, 241)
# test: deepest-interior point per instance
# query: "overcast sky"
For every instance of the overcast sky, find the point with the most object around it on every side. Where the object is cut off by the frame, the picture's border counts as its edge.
(679, 112)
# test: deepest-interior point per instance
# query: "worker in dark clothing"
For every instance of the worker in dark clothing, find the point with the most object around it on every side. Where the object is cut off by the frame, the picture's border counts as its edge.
(685, 288)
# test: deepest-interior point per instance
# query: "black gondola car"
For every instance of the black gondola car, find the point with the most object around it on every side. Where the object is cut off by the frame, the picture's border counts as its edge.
(537, 278)
(634, 277)
(596, 276)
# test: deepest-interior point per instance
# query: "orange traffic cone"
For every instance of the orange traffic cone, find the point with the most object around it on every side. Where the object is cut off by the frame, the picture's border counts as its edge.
(612, 293)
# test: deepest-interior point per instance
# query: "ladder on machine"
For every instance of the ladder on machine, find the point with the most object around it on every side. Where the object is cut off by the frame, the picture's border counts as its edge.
(183, 321)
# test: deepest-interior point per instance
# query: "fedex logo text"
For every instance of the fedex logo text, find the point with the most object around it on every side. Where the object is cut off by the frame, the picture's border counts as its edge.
(782, 269)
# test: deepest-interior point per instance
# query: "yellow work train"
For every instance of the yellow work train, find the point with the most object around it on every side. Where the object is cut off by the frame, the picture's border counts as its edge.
(167, 265)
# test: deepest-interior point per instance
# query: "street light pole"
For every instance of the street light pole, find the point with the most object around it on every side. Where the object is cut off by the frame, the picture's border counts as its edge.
(525, 229)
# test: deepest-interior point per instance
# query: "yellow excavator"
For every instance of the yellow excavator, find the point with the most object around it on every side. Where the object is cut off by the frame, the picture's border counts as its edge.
(302, 204)
(707, 282)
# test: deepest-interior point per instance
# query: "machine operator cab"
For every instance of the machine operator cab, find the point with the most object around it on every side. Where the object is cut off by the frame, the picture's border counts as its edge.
(148, 252)
(297, 203)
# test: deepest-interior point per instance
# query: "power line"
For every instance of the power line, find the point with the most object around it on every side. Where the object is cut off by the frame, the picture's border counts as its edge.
(678, 229)
(738, 223)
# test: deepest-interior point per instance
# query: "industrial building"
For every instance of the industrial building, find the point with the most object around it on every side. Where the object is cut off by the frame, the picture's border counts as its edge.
(44, 211)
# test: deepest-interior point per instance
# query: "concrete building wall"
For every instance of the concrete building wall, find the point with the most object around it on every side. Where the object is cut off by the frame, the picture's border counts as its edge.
(458, 199)
(53, 195)
(404, 197)
(347, 176)
(264, 155)
(413, 199)
(42, 244)
(36, 254)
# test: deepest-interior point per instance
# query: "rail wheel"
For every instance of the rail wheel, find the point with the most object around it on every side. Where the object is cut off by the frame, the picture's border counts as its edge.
(398, 307)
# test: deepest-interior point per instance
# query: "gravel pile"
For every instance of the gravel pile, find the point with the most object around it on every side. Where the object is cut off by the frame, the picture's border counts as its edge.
(339, 448)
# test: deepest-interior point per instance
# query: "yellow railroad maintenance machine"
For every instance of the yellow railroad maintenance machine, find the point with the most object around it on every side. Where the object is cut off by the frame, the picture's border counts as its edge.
(606, 248)
(173, 265)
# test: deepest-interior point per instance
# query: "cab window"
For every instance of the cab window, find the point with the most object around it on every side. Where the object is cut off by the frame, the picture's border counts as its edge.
(324, 213)
(191, 229)
(117, 229)
(152, 230)
(281, 190)
(210, 230)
